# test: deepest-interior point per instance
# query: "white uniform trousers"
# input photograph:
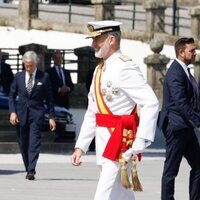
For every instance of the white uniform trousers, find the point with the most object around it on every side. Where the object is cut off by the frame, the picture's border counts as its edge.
(109, 186)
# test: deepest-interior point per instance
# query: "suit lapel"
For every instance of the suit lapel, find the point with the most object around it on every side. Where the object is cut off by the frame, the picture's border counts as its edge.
(23, 81)
(55, 72)
(182, 73)
(57, 76)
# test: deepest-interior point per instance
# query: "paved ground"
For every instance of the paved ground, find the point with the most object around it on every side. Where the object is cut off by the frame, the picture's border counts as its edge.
(57, 179)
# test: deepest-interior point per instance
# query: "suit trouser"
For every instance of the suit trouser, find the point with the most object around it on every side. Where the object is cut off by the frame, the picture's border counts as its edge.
(109, 186)
(29, 139)
(178, 144)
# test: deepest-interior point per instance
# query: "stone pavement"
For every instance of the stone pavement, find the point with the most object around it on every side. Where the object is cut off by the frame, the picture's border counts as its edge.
(57, 179)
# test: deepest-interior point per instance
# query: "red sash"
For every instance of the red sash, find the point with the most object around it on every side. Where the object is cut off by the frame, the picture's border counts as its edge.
(122, 128)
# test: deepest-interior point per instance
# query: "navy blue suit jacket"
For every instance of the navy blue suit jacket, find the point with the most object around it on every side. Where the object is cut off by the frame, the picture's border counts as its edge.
(56, 84)
(41, 94)
(180, 108)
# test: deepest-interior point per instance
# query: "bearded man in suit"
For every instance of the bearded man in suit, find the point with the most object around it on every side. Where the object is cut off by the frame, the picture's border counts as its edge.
(179, 116)
(118, 86)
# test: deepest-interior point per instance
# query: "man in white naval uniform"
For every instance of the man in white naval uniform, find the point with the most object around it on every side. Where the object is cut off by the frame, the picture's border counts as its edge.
(122, 86)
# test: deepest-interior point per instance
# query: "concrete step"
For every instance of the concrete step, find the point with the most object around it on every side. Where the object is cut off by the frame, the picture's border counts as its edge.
(49, 136)
(11, 136)
(6, 125)
(4, 114)
(8, 136)
(46, 147)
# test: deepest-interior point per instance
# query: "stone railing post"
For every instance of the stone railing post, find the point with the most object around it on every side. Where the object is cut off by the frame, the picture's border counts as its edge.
(155, 16)
(156, 68)
(86, 60)
(105, 10)
(195, 22)
(39, 49)
(27, 10)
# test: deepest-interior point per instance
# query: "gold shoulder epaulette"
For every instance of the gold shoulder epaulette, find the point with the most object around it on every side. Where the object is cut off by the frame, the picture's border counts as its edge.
(125, 58)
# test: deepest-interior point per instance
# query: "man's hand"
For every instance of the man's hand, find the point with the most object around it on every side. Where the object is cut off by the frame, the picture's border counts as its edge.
(139, 145)
(14, 119)
(64, 89)
(52, 124)
(127, 154)
(75, 158)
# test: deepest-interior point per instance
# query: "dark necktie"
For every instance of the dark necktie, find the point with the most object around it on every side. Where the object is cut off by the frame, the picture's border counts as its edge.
(30, 84)
(60, 74)
(193, 82)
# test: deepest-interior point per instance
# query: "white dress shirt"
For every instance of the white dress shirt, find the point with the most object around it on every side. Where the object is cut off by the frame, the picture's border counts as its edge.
(27, 76)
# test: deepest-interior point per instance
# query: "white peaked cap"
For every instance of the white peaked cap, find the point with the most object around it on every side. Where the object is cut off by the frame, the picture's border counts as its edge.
(97, 28)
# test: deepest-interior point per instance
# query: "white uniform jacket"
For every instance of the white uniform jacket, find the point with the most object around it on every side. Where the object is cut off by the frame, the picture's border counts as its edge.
(123, 86)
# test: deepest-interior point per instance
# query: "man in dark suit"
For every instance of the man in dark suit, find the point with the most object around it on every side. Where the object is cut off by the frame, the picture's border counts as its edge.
(31, 87)
(178, 118)
(6, 75)
(61, 81)
(62, 85)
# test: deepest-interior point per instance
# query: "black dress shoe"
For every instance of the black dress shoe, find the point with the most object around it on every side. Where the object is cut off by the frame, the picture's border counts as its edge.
(30, 176)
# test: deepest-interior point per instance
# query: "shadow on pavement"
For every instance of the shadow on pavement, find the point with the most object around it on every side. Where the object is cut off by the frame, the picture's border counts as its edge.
(10, 172)
(66, 179)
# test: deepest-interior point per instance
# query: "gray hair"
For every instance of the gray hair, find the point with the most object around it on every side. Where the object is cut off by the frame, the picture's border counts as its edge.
(117, 35)
(30, 56)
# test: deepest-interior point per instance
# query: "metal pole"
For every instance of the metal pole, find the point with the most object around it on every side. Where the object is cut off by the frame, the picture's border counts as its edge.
(174, 17)
(177, 21)
(134, 10)
(70, 10)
